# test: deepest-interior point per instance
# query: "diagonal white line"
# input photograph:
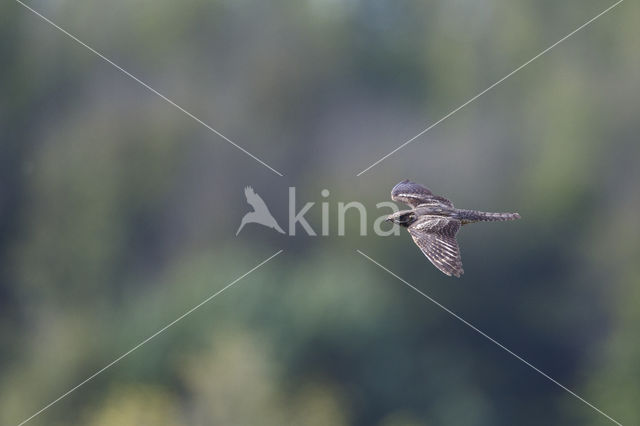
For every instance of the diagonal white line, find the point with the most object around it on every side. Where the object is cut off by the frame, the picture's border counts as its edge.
(190, 311)
(145, 85)
(491, 87)
(483, 334)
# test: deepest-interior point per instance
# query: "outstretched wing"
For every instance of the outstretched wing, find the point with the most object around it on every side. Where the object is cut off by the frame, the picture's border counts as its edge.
(436, 237)
(414, 194)
(254, 199)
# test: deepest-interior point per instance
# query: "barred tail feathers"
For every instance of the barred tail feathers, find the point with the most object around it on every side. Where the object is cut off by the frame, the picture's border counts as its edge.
(470, 216)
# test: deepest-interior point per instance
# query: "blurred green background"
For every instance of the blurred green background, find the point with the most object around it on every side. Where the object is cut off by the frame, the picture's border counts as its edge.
(118, 212)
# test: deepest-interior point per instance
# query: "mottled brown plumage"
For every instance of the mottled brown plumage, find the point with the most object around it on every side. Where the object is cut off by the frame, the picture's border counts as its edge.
(433, 222)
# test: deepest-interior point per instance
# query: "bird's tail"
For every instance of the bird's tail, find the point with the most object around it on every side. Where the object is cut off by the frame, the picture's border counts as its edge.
(277, 227)
(470, 216)
(242, 224)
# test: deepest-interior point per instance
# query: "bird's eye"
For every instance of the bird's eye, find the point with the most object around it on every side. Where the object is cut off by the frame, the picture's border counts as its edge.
(409, 217)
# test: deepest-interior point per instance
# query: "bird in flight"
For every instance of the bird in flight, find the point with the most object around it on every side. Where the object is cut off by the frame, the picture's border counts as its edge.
(433, 223)
(260, 213)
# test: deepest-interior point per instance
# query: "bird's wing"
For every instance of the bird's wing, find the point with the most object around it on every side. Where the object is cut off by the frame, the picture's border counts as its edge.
(255, 200)
(436, 237)
(413, 194)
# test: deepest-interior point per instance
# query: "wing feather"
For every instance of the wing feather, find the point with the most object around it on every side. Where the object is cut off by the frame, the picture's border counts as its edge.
(414, 195)
(254, 200)
(436, 237)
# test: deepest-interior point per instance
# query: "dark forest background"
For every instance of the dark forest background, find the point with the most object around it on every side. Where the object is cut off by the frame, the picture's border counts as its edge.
(118, 213)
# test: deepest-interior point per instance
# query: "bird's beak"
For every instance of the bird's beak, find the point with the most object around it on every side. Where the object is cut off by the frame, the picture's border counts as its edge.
(388, 219)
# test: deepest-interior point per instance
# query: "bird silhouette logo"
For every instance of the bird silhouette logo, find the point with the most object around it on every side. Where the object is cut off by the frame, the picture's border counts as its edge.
(260, 213)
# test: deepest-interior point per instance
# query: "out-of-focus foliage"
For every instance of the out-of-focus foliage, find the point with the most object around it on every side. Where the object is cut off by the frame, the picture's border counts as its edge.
(118, 213)
(136, 405)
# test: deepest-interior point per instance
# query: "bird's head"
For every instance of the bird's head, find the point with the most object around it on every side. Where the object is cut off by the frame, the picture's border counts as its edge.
(404, 218)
